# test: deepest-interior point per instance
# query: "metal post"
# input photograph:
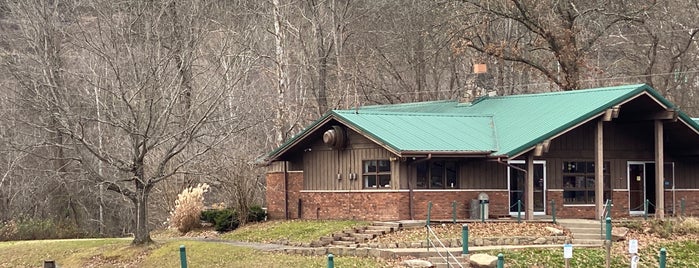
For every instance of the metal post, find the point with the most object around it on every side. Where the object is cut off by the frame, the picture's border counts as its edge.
(183, 257)
(331, 261)
(464, 239)
(645, 209)
(609, 208)
(453, 211)
(609, 229)
(501, 261)
(429, 211)
(519, 211)
(553, 210)
(663, 257)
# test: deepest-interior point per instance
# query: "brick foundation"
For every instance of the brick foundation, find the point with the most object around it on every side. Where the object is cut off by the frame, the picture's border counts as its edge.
(275, 196)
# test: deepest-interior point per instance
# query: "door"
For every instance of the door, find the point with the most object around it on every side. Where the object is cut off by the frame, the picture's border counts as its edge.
(517, 182)
(641, 186)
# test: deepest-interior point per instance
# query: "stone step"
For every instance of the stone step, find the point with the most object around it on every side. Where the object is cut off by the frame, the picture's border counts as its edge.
(439, 262)
(396, 225)
(364, 236)
(577, 230)
(347, 238)
(344, 243)
(385, 229)
(374, 232)
(459, 258)
(597, 242)
(587, 236)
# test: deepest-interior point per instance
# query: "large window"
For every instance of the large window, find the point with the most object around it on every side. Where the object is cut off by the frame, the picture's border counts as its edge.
(437, 175)
(376, 173)
(579, 182)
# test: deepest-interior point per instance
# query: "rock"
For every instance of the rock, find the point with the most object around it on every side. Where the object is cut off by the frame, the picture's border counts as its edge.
(554, 231)
(619, 233)
(417, 263)
(540, 241)
(482, 260)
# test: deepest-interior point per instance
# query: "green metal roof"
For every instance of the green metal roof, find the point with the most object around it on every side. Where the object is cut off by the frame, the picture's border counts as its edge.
(504, 125)
(425, 132)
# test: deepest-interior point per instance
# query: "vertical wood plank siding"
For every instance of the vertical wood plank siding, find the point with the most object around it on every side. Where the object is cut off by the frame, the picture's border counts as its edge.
(323, 164)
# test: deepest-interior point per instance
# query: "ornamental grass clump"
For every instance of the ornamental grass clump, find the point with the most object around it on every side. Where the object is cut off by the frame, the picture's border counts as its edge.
(188, 207)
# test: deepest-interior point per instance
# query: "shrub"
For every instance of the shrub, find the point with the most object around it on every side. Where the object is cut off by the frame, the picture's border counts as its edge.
(223, 219)
(188, 207)
(256, 213)
(30, 229)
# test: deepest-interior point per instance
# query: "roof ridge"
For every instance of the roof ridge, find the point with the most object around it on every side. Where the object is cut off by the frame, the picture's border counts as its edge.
(383, 112)
(570, 92)
(405, 104)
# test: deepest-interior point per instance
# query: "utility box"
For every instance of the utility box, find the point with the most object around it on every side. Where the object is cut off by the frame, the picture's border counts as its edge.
(483, 203)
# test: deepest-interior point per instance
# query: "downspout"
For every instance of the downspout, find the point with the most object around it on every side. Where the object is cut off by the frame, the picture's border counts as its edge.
(410, 186)
(512, 166)
(286, 192)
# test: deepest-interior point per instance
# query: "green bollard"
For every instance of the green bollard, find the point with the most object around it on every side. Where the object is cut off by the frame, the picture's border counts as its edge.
(331, 261)
(183, 257)
(464, 239)
(645, 209)
(519, 211)
(609, 229)
(429, 211)
(663, 257)
(453, 211)
(609, 208)
(553, 210)
(501, 261)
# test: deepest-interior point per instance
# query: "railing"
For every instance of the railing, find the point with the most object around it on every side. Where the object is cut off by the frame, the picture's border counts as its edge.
(449, 257)
(606, 212)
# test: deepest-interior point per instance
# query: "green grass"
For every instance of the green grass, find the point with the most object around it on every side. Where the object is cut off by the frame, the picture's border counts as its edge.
(119, 253)
(303, 231)
(680, 254)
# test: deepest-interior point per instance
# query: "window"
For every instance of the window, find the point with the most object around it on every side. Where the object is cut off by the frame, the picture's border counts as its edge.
(377, 173)
(437, 175)
(579, 182)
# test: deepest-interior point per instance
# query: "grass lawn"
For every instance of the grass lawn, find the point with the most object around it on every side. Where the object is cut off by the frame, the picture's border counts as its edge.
(303, 231)
(119, 253)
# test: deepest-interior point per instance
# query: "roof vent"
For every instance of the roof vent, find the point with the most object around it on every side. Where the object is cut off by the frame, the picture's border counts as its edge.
(335, 137)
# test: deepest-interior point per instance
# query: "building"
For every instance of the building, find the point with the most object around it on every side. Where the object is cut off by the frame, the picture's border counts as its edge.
(578, 149)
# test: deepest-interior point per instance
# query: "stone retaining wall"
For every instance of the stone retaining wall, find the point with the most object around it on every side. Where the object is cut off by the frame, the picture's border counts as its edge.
(480, 241)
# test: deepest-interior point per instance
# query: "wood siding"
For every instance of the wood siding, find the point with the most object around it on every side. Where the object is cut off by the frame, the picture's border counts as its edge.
(322, 164)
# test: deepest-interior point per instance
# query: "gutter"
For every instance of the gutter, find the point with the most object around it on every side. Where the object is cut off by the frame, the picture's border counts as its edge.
(410, 186)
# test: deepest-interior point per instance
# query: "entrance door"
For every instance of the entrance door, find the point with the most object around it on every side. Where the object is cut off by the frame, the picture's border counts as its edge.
(517, 181)
(641, 186)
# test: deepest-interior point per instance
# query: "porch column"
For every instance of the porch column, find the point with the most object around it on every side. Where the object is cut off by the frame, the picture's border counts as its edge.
(599, 169)
(659, 171)
(529, 188)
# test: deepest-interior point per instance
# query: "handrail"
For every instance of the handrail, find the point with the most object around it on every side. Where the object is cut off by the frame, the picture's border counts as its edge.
(449, 256)
(606, 212)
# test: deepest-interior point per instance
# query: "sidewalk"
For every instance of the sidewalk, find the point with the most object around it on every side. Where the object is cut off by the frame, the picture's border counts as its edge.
(425, 253)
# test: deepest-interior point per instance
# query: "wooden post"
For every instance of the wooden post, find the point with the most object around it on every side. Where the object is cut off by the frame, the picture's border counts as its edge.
(599, 169)
(659, 171)
(529, 203)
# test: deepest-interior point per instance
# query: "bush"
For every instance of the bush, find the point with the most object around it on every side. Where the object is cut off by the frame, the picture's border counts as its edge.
(687, 226)
(256, 214)
(188, 207)
(223, 219)
(31, 229)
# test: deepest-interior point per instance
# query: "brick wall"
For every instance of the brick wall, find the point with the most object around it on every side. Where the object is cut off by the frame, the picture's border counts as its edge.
(362, 205)
(442, 204)
(275, 195)
(691, 202)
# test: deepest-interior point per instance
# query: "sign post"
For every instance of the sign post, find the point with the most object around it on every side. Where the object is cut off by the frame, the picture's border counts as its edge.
(633, 250)
(567, 253)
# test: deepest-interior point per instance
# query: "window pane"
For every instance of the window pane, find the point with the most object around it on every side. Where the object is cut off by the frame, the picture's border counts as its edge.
(437, 172)
(369, 181)
(451, 174)
(385, 181)
(384, 166)
(422, 175)
(370, 166)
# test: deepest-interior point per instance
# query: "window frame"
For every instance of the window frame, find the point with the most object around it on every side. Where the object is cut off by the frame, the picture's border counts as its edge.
(376, 174)
(572, 176)
(428, 181)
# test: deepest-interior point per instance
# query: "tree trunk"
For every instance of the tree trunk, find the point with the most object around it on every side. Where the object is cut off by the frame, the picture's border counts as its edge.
(142, 233)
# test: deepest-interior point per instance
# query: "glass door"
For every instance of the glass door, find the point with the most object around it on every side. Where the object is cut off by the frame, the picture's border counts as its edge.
(517, 183)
